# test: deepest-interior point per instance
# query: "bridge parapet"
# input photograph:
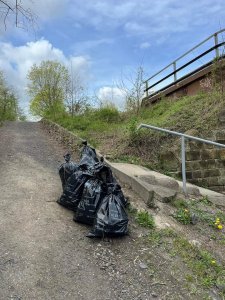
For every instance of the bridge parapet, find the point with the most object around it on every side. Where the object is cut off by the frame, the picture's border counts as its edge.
(189, 83)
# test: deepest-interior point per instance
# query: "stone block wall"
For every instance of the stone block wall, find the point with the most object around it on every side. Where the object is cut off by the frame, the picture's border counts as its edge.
(205, 164)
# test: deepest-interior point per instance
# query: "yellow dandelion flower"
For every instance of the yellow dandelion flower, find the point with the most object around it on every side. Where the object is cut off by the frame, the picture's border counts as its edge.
(213, 262)
(220, 226)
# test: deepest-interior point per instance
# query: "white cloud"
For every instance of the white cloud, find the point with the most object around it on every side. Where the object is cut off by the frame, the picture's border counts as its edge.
(47, 9)
(146, 17)
(145, 45)
(90, 44)
(113, 95)
(15, 62)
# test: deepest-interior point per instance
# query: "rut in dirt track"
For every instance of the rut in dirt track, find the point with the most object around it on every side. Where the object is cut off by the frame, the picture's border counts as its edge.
(43, 253)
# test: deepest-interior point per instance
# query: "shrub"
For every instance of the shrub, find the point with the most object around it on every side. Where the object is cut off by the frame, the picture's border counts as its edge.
(108, 114)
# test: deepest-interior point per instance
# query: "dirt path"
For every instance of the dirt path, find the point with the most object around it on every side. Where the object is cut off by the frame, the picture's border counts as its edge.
(45, 255)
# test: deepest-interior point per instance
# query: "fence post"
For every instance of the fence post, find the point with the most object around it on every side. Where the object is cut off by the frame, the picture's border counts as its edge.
(216, 43)
(146, 88)
(183, 164)
(174, 68)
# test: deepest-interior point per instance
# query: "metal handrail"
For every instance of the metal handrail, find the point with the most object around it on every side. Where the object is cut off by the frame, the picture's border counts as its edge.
(183, 137)
(215, 35)
(185, 65)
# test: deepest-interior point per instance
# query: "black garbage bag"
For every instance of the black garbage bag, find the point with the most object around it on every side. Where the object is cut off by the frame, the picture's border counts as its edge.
(115, 188)
(111, 218)
(88, 156)
(67, 169)
(103, 172)
(73, 189)
(93, 193)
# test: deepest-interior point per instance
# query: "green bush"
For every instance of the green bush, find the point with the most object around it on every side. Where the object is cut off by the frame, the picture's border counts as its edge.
(108, 114)
(132, 129)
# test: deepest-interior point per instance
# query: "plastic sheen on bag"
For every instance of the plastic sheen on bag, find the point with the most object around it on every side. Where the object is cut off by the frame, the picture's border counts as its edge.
(88, 156)
(111, 218)
(103, 172)
(115, 189)
(93, 193)
(67, 169)
(73, 189)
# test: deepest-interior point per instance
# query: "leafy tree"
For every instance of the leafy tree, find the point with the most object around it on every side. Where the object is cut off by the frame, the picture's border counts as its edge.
(21, 114)
(8, 101)
(47, 87)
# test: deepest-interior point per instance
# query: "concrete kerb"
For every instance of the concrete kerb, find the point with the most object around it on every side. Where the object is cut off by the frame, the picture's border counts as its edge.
(140, 187)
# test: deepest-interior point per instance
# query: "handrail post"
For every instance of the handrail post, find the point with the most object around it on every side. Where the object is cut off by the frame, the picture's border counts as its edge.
(174, 68)
(216, 43)
(183, 138)
(183, 160)
(146, 87)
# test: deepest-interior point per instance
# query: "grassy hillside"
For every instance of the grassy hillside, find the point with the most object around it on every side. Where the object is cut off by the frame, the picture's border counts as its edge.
(114, 133)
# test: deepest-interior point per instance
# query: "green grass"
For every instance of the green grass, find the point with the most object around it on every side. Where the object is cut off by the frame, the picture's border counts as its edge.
(144, 219)
(102, 126)
(205, 270)
(203, 210)
(202, 263)
(185, 113)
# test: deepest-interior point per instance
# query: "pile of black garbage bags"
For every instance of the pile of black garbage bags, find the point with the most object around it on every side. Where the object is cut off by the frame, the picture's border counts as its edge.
(92, 192)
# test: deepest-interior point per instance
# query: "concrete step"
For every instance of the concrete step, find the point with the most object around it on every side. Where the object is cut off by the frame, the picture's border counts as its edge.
(152, 186)
(146, 183)
(214, 197)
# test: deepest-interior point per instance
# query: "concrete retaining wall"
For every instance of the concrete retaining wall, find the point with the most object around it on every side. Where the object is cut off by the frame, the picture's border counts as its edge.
(63, 136)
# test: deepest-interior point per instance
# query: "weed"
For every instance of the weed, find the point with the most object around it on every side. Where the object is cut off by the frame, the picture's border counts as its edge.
(128, 159)
(205, 200)
(189, 278)
(154, 237)
(201, 262)
(145, 219)
(168, 232)
(180, 203)
(131, 209)
(183, 216)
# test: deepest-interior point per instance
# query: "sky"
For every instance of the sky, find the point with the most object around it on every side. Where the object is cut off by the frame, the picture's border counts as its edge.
(105, 40)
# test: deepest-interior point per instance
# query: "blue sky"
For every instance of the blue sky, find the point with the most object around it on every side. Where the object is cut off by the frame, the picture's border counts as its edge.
(104, 38)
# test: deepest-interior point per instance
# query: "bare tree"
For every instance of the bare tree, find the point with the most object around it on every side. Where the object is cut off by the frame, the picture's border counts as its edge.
(77, 98)
(17, 12)
(132, 86)
(104, 100)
